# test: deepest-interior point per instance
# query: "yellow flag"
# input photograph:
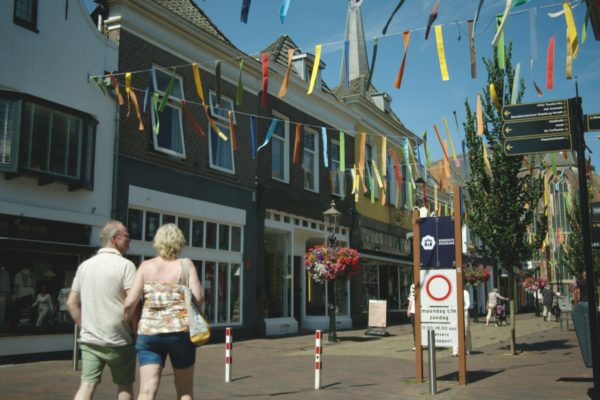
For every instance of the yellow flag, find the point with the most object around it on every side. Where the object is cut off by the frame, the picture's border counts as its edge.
(439, 39)
(198, 82)
(486, 159)
(569, 59)
(494, 96)
(377, 174)
(361, 160)
(315, 71)
(450, 140)
(479, 116)
(435, 199)
(571, 30)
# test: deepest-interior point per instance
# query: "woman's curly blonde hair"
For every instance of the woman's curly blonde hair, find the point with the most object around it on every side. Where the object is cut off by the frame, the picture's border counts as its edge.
(169, 241)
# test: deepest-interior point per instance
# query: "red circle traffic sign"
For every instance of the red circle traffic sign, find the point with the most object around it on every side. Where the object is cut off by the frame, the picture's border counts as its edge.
(439, 295)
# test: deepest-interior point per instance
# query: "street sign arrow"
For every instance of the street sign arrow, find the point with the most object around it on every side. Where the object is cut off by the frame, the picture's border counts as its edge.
(537, 127)
(525, 111)
(593, 122)
(532, 145)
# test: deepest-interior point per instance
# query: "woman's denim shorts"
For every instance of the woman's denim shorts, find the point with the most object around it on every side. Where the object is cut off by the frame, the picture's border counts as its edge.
(153, 349)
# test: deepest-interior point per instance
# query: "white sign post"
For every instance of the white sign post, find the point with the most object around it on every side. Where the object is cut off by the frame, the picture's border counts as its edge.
(439, 309)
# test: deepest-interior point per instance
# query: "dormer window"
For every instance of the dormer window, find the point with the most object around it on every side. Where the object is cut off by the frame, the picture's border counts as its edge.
(303, 65)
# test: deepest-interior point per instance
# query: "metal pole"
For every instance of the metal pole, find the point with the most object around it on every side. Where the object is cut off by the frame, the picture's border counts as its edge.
(75, 348)
(332, 335)
(432, 372)
(587, 240)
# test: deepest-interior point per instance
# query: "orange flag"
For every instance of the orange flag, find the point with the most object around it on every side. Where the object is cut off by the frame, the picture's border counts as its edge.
(361, 160)
(296, 157)
(232, 129)
(406, 38)
(286, 77)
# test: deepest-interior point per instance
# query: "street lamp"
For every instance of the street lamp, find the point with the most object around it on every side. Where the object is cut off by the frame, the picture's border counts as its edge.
(332, 222)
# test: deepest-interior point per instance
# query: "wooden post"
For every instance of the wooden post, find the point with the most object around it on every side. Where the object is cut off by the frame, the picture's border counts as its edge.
(462, 359)
(417, 282)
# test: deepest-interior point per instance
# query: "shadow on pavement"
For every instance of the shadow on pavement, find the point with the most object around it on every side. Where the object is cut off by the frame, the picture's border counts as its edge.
(358, 338)
(543, 346)
(472, 376)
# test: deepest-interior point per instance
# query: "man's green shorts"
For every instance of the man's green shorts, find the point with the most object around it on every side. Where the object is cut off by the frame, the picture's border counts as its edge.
(121, 361)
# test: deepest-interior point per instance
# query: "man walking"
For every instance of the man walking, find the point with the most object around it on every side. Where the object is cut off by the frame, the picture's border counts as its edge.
(96, 305)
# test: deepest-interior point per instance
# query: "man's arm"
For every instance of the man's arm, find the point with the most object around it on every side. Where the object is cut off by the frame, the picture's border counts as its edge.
(74, 306)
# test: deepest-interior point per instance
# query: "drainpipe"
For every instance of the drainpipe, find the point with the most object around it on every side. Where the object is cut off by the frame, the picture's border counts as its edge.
(113, 208)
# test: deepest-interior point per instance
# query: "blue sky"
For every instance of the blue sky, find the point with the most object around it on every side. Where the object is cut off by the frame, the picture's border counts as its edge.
(424, 99)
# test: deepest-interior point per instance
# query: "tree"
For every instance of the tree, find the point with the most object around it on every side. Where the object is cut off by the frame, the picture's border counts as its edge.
(502, 198)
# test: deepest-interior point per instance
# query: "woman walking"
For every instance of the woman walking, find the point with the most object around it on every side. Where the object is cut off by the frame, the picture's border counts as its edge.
(163, 328)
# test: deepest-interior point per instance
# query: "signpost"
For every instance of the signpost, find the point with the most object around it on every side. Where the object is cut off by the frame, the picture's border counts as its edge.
(595, 217)
(537, 127)
(438, 306)
(592, 122)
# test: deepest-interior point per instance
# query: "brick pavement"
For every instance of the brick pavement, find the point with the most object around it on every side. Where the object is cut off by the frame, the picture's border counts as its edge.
(548, 367)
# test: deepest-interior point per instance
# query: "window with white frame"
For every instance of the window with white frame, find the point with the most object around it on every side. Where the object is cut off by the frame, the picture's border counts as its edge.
(337, 176)
(168, 128)
(310, 160)
(280, 149)
(222, 291)
(221, 155)
(371, 171)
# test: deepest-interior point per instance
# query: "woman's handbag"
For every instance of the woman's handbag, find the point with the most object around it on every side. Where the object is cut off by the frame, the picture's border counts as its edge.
(199, 327)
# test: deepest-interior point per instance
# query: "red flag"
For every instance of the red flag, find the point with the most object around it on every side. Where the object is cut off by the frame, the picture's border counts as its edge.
(265, 78)
(550, 65)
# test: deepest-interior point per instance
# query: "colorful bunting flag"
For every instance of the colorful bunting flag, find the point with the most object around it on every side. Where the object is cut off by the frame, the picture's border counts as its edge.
(441, 55)
(494, 97)
(500, 43)
(131, 96)
(198, 82)
(195, 125)
(167, 93)
(550, 65)
(297, 137)
(480, 127)
(384, 155)
(373, 59)
(454, 157)
(387, 24)
(269, 134)
(432, 17)
(315, 71)
(286, 77)
(342, 139)
(245, 11)
(324, 141)
(117, 90)
(218, 82)
(502, 23)
(253, 135)
(571, 30)
(239, 95)
(285, 5)
(406, 40)
(232, 131)
(265, 79)
(515, 86)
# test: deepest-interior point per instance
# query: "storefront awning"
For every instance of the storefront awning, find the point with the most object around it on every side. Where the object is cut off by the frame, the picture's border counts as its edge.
(376, 257)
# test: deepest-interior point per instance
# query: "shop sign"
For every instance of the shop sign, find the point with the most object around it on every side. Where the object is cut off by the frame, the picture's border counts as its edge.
(437, 242)
(384, 242)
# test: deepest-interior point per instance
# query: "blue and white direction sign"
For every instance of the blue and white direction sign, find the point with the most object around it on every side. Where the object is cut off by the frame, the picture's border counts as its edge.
(437, 242)
(439, 309)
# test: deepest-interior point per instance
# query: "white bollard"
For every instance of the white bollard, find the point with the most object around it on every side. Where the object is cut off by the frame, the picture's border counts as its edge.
(228, 358)
(318, 362)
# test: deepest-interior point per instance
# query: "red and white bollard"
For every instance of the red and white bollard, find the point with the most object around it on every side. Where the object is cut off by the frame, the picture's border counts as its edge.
(318, 362)
(228, 358)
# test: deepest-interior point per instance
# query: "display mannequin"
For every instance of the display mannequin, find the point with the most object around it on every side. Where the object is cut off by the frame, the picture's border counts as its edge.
(45, 308)
(63, 310)
(23, 294)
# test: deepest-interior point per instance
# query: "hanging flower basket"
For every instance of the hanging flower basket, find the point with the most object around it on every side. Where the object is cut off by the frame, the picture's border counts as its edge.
(326, 263)
(476, 275)
(532, 284)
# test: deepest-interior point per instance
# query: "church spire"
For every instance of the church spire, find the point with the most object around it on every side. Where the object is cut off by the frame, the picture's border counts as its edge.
(358, 63)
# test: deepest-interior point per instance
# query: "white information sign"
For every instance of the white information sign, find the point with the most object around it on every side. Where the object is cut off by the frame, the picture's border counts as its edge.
(439, 309)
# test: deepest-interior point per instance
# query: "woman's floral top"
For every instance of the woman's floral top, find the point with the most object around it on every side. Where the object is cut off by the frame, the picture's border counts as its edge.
(164, 309)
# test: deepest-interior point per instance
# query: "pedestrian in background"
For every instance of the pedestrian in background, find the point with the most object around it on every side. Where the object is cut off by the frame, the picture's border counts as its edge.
(493, 297)
(96, 304)
(163, 328)
(410, 312)
(548, 296)
(467, 307)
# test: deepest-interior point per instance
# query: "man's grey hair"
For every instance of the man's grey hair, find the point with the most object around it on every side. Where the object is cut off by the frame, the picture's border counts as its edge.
(109, 231)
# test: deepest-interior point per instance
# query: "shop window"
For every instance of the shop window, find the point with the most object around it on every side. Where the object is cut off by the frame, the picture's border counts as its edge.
(337, 176)
(184, 226)
(168, 219)
(236, 238)
(222, 291)
(135, 223)
(169, 138)
(198, 233)
(370, 285)
(211, 235)
(25, 14)
(152, 225)
(51, 142)
(280, 150)
(221, 154)
(223, 237)
(310, 160)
